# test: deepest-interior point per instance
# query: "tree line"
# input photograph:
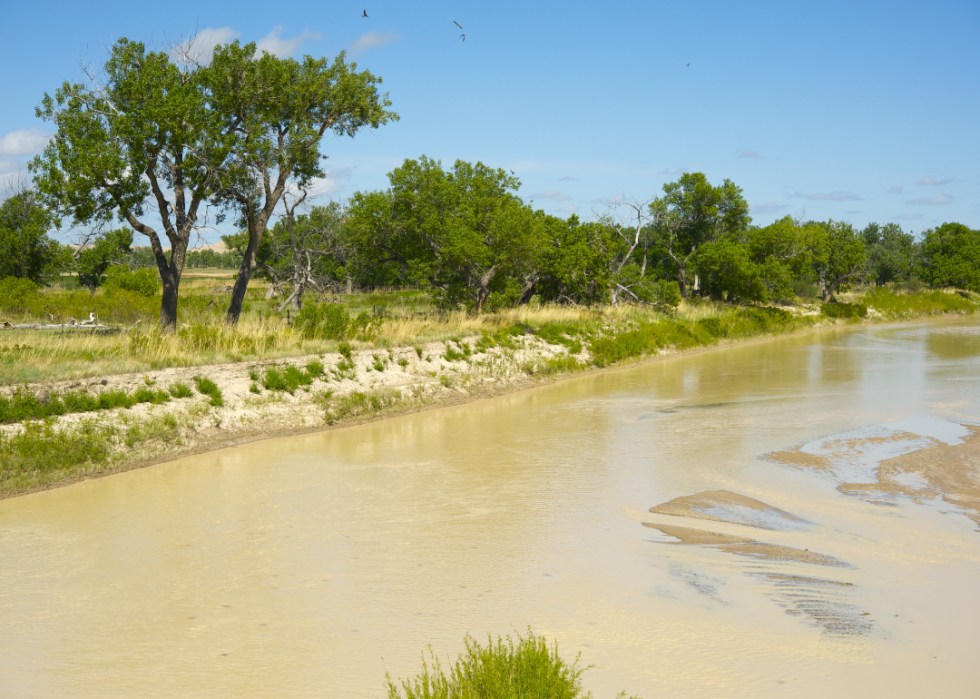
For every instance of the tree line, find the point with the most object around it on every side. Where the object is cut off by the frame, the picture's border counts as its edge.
(239, 136)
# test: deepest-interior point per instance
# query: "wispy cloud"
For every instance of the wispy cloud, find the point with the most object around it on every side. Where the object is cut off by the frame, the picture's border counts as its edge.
(930, 181)
(24, 142)
(907, 217)
(829, 196)
(273, 42)
(331, 184)
(200, 47)
(853, 211)
(896, 190)
(770, 207)
(371, 40)
(568, 209)
(749, 154)
(678, 171)
(552, 194)
(938, 200)
(568, 178)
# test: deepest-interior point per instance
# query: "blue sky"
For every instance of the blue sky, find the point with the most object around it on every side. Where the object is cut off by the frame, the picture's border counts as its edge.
(857, 111)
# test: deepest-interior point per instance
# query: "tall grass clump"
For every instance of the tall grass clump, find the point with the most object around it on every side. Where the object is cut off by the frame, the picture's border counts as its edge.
(845, 311)
(286, 379)
(526, 669)
(888, 303)
(24, 404)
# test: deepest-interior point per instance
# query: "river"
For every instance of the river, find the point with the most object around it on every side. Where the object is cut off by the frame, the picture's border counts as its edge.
(308, 566)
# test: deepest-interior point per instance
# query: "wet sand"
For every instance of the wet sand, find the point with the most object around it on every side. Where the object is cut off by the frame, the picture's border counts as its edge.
(723, 506)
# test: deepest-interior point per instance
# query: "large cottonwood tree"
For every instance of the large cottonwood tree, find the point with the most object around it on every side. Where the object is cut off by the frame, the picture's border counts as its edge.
(153, 132)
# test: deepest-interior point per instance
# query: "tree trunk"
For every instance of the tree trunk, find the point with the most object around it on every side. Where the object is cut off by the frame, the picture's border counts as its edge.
(682, 279)
(241, 285)
(168, 307)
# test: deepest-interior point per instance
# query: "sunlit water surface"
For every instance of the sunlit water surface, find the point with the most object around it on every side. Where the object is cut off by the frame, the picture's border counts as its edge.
(307, 566)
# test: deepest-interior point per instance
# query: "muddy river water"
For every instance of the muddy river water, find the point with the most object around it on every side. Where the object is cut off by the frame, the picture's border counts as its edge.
(774, 564)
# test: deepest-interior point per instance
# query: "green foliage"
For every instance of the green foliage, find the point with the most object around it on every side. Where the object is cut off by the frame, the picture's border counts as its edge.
(460, 353)
(94, 260)
(142, 282)
(952, 257)
(728, 272)
(207, 387)
(346, 351)
(180, 390)
(23, 404)
(895, 305)
(844, 310)
(462, 233)
(315, 368)
(26, 251)
(332, 321)
(41, 448)
(358, 404)
(527, 669)
(288, 378)
(840, 257)
(890, 251)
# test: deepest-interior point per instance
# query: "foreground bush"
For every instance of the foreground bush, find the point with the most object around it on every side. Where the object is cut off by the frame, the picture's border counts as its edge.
(527, 669)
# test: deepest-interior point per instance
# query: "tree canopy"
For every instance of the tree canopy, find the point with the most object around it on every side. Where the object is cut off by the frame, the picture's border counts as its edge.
(167, 135)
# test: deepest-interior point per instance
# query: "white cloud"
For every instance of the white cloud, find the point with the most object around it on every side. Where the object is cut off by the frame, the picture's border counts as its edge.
(770, 207)
(568, 209)
(371, 40)
(24, 142)
(331, 184)
(907, 217)
(829, 196)
(9, 165)
(930, 181)
(200, 46)
(274, 44)
(938, 200)
(896, 190)
(552, 194)
(568, 178)
(749, 154)
(678, 171)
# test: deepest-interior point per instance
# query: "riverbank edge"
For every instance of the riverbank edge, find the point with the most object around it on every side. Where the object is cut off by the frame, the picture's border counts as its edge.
(513, 384)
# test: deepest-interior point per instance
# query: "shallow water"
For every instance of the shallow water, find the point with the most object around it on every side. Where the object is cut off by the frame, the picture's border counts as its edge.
(307, 566)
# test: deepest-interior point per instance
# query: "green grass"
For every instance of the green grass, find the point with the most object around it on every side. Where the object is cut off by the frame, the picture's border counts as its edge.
(24, 404)
(288, 378)
(207, 387)
(41, 450)
(358, 404)
(529, 668)
(895, 305)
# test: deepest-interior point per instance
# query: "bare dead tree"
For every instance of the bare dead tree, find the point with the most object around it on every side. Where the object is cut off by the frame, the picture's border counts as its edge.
(630, 221)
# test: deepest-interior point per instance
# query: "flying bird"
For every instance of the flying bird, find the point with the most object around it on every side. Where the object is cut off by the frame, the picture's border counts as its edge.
(365, 14)
(463, 37)
(688, 65)
(457, 24)
(512, 172)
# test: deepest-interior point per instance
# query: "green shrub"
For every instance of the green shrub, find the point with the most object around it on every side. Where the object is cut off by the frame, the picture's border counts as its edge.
(207, 387)
(346, 351)
(180, 390)
(142, 282)
(844, 310)
(315, 368)
(527, 669)
(359, 404)
(891, 304)
(286, 379)
(323, 321)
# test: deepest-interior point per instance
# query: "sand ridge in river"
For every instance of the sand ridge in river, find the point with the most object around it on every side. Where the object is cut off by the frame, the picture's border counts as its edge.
(925, 469)
(725, 506)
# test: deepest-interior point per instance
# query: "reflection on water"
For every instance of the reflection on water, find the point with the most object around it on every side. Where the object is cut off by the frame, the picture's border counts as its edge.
(305, 567)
